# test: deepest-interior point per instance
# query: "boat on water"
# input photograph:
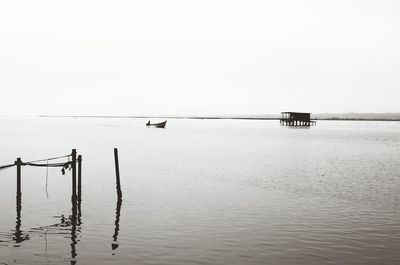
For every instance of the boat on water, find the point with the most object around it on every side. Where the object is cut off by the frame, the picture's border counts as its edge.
(157, 125)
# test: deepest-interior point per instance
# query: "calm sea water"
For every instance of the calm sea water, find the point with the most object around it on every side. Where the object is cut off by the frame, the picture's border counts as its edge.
(204, 192)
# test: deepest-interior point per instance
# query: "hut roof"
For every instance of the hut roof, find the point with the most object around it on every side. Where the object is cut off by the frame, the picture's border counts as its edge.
(286, 112)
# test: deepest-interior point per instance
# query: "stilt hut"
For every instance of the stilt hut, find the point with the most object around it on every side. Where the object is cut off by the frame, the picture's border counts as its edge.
(296, 119)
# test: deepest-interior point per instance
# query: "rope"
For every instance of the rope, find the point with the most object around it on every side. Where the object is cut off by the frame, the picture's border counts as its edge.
(6, 166)
(47, 159)
(47, 165)
(35, 164)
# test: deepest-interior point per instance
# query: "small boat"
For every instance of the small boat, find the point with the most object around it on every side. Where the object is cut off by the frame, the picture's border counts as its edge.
(157, 125)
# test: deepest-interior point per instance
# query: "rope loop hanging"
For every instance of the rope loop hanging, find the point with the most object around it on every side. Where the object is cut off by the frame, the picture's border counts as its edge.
(35, 163)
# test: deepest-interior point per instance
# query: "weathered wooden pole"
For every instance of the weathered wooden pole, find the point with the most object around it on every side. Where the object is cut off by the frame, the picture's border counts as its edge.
(79, 178)
(18, 163)
(73, 198)
(18, 234)
(74, 209)
(119, 192)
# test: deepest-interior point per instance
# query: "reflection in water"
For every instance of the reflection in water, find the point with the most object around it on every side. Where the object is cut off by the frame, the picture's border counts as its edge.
(68, 227)
(73, 219)
(18, 235)
(115, 244)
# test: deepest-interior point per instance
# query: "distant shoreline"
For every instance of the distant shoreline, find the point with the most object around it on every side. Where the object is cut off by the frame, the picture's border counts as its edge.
(205, 118)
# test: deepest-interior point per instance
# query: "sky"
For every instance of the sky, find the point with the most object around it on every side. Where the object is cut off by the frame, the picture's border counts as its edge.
(198, 57)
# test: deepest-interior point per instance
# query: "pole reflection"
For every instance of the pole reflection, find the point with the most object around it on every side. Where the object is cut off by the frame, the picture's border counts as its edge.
(115, 244)
(18, 235)
(75, 227)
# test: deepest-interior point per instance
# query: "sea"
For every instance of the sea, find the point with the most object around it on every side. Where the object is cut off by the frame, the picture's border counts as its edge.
(201, 192)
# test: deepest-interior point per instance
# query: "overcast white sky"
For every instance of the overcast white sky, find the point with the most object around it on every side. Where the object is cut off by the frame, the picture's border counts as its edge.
(199, 57)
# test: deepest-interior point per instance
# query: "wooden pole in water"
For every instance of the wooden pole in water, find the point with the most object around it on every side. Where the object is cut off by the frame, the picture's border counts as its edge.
(79, 178)
(119, 192)
(18, 163)
(73, 198)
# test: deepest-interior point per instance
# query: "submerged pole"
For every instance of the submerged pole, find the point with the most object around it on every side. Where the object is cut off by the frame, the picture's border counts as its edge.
(73, 198)
(119, 192)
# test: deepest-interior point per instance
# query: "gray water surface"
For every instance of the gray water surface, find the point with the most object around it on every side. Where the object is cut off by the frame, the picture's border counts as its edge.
(204, 192)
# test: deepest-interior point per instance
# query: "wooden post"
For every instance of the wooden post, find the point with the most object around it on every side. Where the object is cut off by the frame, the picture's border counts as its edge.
(18, 233)
(73, 198)
(114, 244)
(18, 163)
(79, 178)
(119, 192)
(74, 209)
